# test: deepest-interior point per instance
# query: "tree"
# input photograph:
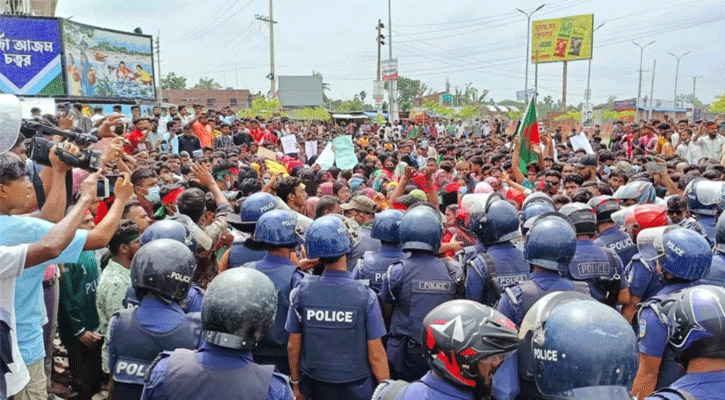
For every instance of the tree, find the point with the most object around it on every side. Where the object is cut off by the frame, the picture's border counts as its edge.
(171, 81)
(468, 111)
(575, 115)
(207, 84)
(313, 114)
(719, 104)
(363, 95)
(325, 87)
(408, 89)
(262, 108)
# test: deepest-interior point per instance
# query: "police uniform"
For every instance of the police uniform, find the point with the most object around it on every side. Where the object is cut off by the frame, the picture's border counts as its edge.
(285, 276)
(336, 316)
(240, 254)
(517, 299)
(619, 242)
(213, 372)
(365, 243)
(373, 266)
(700, 386)
(509, 266)
(193, 299)
(642, 278)
(600, 268)
(707, 223)
(414, 287)
(430, 386)
(138, 335)
(716, 274)
(653, 335)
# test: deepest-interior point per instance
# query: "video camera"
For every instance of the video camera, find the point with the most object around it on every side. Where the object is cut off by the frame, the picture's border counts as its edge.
(40, 147)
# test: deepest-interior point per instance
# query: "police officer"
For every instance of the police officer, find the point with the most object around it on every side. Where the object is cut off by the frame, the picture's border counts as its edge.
(599, 266)
(577, 348)
(683, 257)
(549, 248)
(276, 232)
(413, 287)
(608, 233)
(161, 274)
(705, 200)
(464, 342)
(335, 324)
(496, 225)
(244, 249)
(641, 273)
(699, 340)
(168, 229)
(238, 311)
(716, 274)
(374, 265)
(534, 205)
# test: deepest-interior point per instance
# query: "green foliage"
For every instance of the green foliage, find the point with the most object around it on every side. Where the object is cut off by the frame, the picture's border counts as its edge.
(207, 84)
(627, 114)
(575, 115)
(313, 114)
(262, 108)
(171, 81)
(436, 108)
(719, 104)
(610, 115)
(468, 111)
(380, 119)
(351, 105)
(514, 114)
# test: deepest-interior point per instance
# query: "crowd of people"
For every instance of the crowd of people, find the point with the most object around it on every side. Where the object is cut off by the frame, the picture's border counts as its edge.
(201, 261)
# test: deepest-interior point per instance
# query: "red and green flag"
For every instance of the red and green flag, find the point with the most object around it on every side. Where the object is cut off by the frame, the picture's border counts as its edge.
(528, 132)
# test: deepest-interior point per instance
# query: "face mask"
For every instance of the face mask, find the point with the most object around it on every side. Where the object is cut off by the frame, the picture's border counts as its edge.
(153, 194)
(228, 184)
(607, 168)
(636, 168)
(464, 190)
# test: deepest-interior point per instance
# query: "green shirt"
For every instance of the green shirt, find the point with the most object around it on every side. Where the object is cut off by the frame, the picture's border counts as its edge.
(112, 286)
(77, 312)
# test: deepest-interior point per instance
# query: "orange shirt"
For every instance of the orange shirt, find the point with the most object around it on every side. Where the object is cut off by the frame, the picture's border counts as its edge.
(205, 137)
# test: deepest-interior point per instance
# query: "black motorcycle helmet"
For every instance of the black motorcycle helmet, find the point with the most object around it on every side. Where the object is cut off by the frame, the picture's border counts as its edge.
(163, 267)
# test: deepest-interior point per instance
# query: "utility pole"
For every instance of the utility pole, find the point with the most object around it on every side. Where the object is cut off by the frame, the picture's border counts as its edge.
(677, 72)
(588, 94)
(392, 85)
(536, 71)
(270, 20)
(639, 86)
(160, 95)
(563, 90)
(381, 42)
(694, 83)
(528, 38)
(652, 91)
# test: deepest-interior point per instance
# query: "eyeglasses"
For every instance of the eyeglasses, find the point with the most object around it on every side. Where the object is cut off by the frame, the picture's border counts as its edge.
(675, 212)
(553, 183)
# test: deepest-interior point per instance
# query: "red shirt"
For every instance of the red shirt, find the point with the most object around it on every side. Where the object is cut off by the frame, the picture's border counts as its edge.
(257, 134)
(134, 137)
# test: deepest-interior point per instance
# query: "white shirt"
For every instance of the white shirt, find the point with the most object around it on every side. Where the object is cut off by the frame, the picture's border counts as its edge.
(690, 151)
(711, 148)
(12, 264)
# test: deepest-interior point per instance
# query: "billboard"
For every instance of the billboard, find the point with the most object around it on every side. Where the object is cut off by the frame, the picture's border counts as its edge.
(562, 39)
(300, 91)
(390, 69)
(30, 61)
(107, 64)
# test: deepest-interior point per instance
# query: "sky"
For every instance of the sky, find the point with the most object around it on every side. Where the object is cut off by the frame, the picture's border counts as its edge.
(481, 42)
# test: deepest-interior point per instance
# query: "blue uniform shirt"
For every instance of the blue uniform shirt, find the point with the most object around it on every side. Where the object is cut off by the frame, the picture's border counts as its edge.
(620, 242)
(153, 315)
(702, 386)
(269, 262)
(546, 280)
(383, 258)
(215, 357)
(652, 332)
(373, 320)
(716, 274)
(644, 281)
(587, 253)
(431, 386)
(707, 222)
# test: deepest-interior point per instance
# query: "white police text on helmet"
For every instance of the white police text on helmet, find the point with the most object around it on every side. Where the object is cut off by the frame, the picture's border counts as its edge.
(674, 248)
(330, 316)
(267, 207)
(180, 277)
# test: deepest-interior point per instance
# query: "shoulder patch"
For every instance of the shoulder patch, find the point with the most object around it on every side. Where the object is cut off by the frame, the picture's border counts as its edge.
(642, 328)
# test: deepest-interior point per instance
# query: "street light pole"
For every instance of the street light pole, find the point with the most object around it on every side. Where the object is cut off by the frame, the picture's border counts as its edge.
(677, 72)
(528, 38)
(589, 67)
(639, 86)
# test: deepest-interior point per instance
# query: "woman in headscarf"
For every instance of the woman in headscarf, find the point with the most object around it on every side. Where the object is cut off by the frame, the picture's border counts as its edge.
(310, 206)
(456, 227)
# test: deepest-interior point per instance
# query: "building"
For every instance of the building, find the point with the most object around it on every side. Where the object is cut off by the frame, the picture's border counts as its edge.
(215, 99)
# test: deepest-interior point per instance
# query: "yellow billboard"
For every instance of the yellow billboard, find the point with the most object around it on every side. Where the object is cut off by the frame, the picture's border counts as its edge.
(562, 39)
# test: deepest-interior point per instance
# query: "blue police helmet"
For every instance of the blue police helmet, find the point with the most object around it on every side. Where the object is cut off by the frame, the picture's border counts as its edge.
(251, 209)
(687, 254)
(642, 192)
(165, 229)
(704, 197)
(532, 211)
(579, 348)
(720, 234)
(327, 237)
(421, 229)
(498, 223)
(277, 228)
(386, 227)
(163, 267)
(698, 320)
(551, 242)
(535, 198)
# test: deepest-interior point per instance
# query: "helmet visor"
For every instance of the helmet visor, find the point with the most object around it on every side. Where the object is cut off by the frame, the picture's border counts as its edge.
(632, 190)
(624, 217)
(710, 193)
(650, 242)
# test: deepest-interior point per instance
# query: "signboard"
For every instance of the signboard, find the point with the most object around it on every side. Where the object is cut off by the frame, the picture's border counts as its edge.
(378, 92)
(30, 64)
(300, 91)
(447, 98)
(289, 144)
(107, 64)
(311, 148)
(524, 95)
(587, 115)
(562, 39)
(390, 69)
(344, 149)
(625, 105)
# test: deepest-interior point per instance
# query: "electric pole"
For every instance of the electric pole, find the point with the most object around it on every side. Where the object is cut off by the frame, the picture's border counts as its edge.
(270, 20)
(392, 86)
(160, 96)
(563, 90)
(381, 42)
(694, 83)
(677, 72)
(528, 38)
(652, 91)
(639, 86)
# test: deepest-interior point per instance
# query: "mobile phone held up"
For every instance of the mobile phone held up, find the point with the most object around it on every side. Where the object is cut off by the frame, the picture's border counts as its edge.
(106, 185)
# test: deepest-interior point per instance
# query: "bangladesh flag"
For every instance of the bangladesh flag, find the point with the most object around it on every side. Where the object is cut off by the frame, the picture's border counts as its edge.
(528, 132)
